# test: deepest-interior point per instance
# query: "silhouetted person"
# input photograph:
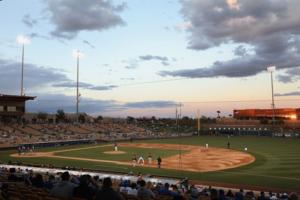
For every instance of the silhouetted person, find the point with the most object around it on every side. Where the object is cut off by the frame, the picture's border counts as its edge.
(38, 181)
(159, 161)
(84, 190)
(143, 192)
(107, 192)
(65, 188)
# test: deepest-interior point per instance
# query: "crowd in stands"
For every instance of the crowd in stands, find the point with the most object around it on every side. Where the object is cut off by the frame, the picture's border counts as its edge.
(14, 134)
(16, 184)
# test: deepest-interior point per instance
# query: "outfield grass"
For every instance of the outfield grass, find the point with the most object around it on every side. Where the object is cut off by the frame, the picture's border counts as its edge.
(98, 153)
(277, 161)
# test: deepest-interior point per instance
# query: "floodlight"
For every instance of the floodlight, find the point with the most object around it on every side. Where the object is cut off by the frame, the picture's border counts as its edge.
(21, 39)
(77, 54)
(271, 68)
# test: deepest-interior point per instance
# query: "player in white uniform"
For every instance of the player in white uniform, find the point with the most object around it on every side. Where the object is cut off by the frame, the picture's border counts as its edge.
(149, 159)
(134, 160)
(115, 146)
(141, 160)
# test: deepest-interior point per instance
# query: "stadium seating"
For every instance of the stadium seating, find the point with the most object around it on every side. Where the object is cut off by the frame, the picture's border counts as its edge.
(23, 188)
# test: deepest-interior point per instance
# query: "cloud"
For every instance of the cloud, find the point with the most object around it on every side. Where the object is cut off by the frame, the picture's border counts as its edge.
(131, 64)
(240, 51)
(295, 93)
(163, 59)
(37, 35)
(290, 75)
(134, 63)
(128, 79)
(69, 17)
(28, 21)
(151, 57)
(52, 102)
(106, 87)
(73, 84)
(183, 26)
(271, 28)
(37, 77)
(88, 43)
(34, 76)
(151, 104)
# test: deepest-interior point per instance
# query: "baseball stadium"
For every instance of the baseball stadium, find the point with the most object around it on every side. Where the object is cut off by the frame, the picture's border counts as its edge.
(150, 100)
(220, 155)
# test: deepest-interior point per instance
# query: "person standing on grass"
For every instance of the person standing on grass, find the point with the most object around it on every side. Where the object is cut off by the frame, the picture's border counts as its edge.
(134, 160)
(159, 161)
(19, 150)
(149, 159)
(141, 160)
(115, 146)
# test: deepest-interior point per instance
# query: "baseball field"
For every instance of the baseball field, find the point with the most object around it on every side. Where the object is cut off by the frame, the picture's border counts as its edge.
(268, 163)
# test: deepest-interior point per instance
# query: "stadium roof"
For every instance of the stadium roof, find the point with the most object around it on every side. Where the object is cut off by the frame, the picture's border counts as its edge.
(15, 97)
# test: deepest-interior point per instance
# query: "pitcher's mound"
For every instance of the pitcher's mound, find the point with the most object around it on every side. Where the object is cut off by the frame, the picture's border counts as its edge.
(114, 152)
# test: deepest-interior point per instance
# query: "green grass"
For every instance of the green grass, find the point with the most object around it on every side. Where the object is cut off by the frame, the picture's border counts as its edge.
(98, 153)
(277, 162)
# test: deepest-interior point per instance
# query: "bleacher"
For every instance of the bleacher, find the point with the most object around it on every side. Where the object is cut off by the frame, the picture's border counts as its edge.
(19, 183)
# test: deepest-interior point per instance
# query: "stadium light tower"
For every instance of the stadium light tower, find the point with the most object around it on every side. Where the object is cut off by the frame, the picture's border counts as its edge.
(77, 54)
(23, 40)
(272, 69)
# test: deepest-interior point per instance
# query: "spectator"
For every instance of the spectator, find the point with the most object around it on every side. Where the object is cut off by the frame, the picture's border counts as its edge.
(132, 190)
(214, 194)
(293, 196)
(176, 193)
(239, 195)
(49, 184)
(107, 192)
(249, 196)
(38, 181)
(284, 196)
(84, 190)
(222, 195)
(229, 194)
(65, 188)
(12, 175)
(194, 193)
(143, 192)
(165, 190)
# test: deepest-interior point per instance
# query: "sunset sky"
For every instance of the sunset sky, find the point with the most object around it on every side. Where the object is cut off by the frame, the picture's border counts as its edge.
(143, 57)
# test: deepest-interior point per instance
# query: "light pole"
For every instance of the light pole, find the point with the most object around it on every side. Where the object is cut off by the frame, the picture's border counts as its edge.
(77, 54)
(272, 69)
(198, 121)
(22, 40)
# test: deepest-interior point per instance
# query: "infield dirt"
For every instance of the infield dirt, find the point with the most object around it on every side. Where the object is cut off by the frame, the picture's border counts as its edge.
(194, 158)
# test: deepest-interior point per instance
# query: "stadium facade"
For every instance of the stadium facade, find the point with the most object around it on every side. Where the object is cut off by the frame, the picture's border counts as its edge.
(13, 105)
(279, 113)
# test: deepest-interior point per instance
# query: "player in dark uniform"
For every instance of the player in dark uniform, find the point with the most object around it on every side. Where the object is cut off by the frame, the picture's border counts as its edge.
(159, 161)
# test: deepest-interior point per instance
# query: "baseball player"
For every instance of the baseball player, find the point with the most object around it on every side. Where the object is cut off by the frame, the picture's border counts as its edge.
(149, 159)
(116, 146)
(134, 160)
(141, 160)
